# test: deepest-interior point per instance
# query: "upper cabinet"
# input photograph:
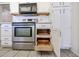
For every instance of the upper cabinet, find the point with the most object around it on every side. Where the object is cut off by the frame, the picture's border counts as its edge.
(43, 7)
(61, 4)
(5, 15)
(14, 8)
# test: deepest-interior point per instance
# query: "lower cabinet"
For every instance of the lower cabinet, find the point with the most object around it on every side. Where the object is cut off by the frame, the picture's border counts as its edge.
(43, 38)
(6, 35)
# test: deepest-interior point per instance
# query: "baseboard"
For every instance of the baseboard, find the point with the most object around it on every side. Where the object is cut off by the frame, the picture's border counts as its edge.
(75, 52)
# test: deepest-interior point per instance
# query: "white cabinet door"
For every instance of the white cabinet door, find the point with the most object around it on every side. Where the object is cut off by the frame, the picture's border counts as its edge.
(56, 38)
(43, 7)
(66, 28)
(66, 17)
(57, 18)
(14, 8)
(66, 38)
(56, 41)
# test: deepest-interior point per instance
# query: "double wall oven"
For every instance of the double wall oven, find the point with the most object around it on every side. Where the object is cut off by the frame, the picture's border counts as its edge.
(23, 35)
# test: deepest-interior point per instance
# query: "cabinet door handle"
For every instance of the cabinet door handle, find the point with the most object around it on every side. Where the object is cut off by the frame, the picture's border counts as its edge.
(5, 30)
(63, 3)
(60, 11)
(60, 3)
(6, 38)
(43, 25)
(6, 43)
(24, 19)
(63, 11)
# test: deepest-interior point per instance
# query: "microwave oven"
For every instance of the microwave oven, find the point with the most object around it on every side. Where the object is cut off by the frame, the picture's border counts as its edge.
(28, 8)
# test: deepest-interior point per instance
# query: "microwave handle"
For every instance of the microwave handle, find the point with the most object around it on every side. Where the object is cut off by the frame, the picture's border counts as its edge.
(31, 7)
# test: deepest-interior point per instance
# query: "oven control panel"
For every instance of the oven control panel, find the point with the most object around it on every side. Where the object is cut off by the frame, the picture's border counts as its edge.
(24, 19)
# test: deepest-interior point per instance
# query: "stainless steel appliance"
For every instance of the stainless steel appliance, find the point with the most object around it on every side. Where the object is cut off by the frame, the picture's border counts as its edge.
(23, 35)
(28, 8)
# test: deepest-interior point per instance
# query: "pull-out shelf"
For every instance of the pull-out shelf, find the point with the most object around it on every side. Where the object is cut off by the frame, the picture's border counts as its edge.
(42, 47)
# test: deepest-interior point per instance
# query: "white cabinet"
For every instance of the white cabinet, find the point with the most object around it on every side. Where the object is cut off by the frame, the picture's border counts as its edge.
(5, 15)
(14, 8)
(43, 7)
(6, 35)
(66, 28)
(62, 23)
(61, 4)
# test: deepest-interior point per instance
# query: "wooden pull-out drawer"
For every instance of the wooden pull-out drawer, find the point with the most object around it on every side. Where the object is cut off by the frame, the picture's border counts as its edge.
(42, 47)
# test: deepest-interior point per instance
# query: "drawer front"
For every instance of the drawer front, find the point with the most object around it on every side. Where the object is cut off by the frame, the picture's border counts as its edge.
(6, 30)
(6, 25)
(23, 46)
(6, 38)
(6, 43)
(6, 33)
(43, 26)
(44, 20)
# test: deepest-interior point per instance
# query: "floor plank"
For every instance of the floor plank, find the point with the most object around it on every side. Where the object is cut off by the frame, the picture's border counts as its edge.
(10, 54)
(22, 54)
(6, 52)
(34, 54)
(48, 54)
(2, 53)
(67, 53)
(5, 49)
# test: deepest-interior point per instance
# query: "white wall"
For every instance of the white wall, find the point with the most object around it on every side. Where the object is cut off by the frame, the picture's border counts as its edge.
(75, 27)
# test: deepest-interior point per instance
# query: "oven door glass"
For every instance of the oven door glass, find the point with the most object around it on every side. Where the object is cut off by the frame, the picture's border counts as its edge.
(23, 32)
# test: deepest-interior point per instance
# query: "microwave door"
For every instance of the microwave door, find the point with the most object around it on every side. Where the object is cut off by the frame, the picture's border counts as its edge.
(25, 9)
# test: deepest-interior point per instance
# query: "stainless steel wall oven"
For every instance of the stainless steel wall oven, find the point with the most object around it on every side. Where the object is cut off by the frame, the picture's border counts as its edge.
(23, 35)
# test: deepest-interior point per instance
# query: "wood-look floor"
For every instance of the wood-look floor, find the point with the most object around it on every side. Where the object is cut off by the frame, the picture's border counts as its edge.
(7, 52)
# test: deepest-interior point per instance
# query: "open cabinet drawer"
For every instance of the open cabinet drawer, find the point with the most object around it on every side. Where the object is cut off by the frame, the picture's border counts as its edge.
(42, 47)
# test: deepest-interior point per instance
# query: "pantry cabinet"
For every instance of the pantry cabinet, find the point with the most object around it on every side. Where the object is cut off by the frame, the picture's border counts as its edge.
(43, 7)
(61, 25)
(6, 35)
(14, 8)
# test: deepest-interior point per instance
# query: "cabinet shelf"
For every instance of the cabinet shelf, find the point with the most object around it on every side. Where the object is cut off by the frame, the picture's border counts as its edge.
(43, 40)
(43, 47)
(43, 36)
